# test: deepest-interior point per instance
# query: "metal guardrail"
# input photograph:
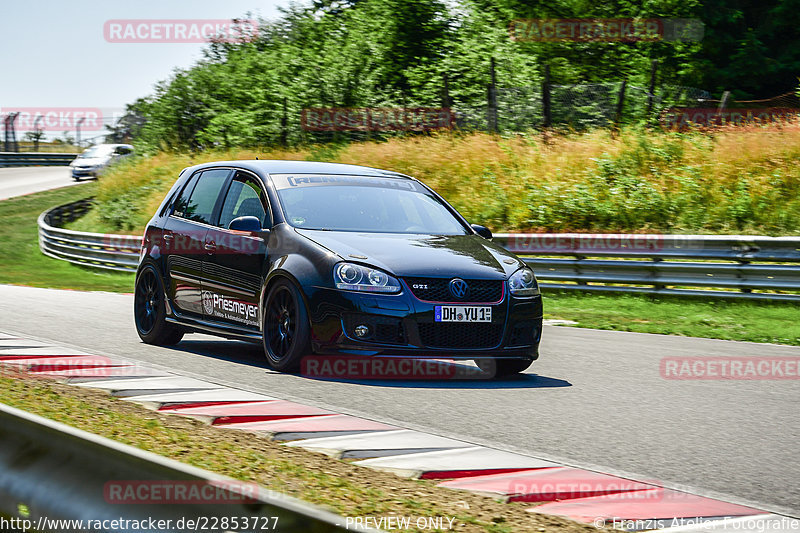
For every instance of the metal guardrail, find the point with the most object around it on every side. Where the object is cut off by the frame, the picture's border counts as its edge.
(52, 472)
(98, 250)
(732, 266)
(35, 159)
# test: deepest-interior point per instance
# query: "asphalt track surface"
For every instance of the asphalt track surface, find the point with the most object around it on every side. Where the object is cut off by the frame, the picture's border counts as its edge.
(26, 180)
(595, 399)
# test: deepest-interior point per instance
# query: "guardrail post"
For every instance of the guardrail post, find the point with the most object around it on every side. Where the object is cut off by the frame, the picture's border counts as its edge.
(656, 286)
(743, 248)
(579, 269)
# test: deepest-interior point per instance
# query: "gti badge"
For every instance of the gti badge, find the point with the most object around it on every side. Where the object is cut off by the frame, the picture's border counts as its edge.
(458, 288)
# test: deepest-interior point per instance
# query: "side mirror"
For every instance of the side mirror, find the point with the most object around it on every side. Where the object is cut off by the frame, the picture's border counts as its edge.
(248, 224)
(483, 231)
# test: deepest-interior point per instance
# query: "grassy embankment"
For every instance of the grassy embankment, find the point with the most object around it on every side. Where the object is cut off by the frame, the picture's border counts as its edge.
(343, 488)
(21, 261)
(657, 182)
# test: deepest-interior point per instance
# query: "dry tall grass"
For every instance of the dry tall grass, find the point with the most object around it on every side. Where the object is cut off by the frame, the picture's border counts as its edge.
(728, 181)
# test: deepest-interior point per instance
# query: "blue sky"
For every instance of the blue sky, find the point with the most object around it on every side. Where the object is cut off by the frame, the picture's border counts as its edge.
(54, 53)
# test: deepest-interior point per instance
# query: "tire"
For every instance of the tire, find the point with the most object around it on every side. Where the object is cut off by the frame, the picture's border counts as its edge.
(286, 330)
(503, 367)
(150, 310)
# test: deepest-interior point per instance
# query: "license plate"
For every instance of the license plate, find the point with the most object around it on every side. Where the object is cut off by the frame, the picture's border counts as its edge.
(462, 313)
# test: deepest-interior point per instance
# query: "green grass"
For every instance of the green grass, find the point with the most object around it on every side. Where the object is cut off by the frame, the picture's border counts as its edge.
(339, 486)
(775, 322)
(21, 261)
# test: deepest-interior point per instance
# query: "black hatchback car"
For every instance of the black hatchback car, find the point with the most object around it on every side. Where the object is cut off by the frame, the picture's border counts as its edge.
(327, 258)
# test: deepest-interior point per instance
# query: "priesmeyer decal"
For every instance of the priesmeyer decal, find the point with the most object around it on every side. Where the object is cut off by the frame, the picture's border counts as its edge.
(230, 309)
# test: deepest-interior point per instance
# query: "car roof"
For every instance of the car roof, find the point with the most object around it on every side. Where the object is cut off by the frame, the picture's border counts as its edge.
(275, 166)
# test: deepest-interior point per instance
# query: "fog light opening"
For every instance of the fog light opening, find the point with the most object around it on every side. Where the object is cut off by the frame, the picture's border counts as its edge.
(361, 331)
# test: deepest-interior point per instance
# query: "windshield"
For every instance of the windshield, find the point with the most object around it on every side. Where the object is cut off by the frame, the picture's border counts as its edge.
(97, 151)
(363, 204)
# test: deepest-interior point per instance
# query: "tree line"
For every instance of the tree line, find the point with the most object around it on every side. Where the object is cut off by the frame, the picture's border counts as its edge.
(383, 53)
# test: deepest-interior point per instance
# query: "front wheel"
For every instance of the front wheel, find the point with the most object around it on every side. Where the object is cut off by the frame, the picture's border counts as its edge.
(150, 310)
(286, 328)
(503, 367)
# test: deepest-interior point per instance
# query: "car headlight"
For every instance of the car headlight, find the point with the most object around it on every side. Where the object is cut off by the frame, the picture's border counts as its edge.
(352, 277)
(523, 283)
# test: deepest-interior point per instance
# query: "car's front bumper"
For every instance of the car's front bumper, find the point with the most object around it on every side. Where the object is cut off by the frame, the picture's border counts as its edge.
(403, 325)
(78, 172)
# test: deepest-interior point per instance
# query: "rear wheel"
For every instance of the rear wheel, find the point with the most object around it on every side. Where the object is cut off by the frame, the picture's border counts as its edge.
(286, 328)
(150, 311)
(503, 367)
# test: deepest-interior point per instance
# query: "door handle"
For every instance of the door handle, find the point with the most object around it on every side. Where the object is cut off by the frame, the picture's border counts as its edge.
(210, 246)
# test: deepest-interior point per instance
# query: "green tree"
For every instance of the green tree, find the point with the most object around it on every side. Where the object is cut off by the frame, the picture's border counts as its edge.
(750, 46)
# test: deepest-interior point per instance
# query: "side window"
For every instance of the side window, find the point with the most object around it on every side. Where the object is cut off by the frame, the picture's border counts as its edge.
(182, 202)
(197, 200)
(245, 197)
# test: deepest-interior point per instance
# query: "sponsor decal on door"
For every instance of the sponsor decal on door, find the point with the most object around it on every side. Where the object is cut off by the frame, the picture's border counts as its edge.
(217, 305)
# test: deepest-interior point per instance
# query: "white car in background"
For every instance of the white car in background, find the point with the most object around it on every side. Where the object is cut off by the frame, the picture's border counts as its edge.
(93, 161)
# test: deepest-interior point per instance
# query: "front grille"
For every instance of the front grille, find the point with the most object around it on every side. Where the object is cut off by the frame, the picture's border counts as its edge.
(438, 290)
(450, 335)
